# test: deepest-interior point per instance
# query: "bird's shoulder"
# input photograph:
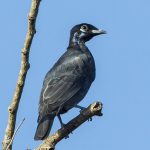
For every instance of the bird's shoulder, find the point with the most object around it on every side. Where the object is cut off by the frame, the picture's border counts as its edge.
(69, 57)
(69, 61)
(68, 66)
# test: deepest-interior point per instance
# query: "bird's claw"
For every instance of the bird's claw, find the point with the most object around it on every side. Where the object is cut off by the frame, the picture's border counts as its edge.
(63, 125)
(80, 107)
(81, 111)
(90, 119)
(67, 136)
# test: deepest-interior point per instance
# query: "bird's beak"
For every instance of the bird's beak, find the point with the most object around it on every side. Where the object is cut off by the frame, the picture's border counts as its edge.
(98, 31)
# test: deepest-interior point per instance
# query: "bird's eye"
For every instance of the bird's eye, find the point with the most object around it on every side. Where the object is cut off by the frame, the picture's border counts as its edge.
(84, 28)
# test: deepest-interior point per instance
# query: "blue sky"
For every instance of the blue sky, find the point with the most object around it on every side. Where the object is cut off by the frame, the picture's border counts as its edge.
(122, 61)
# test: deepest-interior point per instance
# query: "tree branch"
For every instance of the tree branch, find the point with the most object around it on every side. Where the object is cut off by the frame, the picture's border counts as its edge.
(15, 133)
(92, 110)
(13, 108)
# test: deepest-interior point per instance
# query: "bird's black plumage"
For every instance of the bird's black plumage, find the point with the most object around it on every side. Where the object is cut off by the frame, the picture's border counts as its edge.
(69, 80)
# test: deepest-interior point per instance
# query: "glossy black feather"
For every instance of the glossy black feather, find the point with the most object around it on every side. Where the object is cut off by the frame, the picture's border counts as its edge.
(70, 75)
(66, 84)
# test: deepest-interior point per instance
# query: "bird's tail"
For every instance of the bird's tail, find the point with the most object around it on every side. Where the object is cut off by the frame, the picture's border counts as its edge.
(44, 127)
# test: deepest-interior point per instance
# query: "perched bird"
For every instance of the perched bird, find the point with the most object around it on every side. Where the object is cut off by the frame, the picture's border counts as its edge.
(68, 81)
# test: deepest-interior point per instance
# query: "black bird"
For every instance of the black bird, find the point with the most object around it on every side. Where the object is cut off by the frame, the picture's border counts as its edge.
(68, 81)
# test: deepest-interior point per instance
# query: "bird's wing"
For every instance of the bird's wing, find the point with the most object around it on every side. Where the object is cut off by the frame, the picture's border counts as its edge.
(59, 90)
(63, 84)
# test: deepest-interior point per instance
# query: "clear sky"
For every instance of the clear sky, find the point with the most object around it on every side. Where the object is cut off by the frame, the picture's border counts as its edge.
(122, 60)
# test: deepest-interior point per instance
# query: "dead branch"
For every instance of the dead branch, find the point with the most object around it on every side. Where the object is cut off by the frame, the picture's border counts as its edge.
(13, 108)
(17, 129)
(92, 110)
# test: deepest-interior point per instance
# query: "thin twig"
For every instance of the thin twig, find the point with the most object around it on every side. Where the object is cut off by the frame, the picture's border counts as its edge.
(13, 108)
(15, 133)
(92, 110)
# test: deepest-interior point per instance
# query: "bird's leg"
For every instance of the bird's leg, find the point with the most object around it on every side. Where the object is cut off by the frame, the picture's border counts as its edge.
(81, 109)
(90, 119)
(59, 109)
(62, 124)
(59, 117)
(60, 120)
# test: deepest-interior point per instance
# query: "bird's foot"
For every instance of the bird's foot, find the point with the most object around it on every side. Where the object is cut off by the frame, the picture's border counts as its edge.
(66, 137)
(90, 119)
(64, 126)
(80, 107)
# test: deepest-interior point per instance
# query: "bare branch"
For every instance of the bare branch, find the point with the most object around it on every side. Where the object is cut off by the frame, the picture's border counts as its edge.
(92, 110)
(13, 108)
(15, 133)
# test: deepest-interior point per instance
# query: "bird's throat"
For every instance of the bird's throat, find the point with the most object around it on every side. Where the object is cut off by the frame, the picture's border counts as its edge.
(76, 40)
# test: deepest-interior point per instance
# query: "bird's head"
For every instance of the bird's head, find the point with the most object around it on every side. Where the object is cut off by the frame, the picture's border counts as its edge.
(82, 33)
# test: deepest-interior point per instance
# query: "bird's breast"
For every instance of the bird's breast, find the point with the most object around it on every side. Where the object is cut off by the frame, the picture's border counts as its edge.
(86, 65)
